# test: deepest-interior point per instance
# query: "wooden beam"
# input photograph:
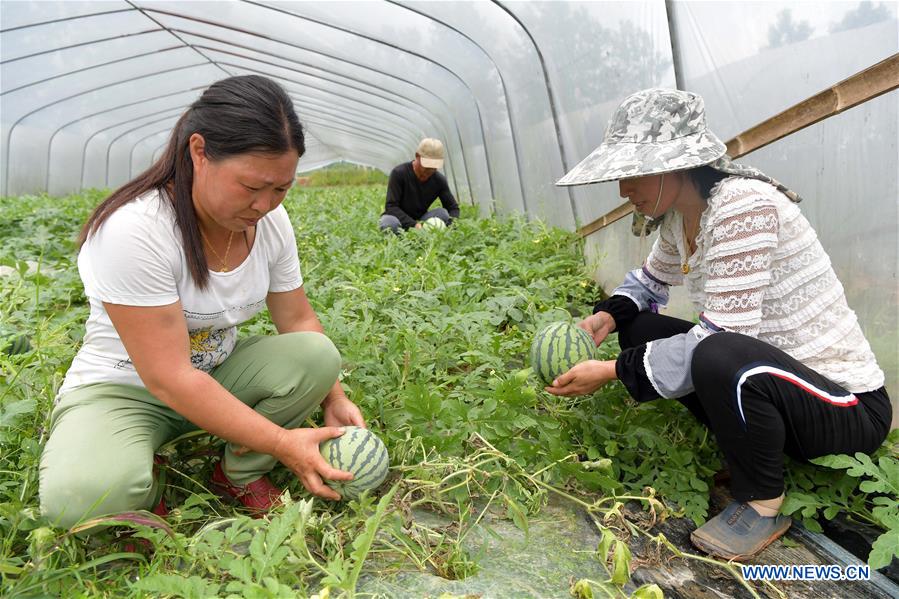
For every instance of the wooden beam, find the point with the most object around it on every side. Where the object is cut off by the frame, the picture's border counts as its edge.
(861, 87)
(606, 219)
(874, 81)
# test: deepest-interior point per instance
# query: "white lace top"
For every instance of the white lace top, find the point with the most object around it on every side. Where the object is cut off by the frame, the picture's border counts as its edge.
(759, 270)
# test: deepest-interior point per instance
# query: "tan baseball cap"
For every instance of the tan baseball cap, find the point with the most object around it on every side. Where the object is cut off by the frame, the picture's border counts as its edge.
(430, 152)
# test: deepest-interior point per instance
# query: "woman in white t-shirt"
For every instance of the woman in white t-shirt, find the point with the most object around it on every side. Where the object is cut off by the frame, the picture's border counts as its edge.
(778, 362)
(172, 263)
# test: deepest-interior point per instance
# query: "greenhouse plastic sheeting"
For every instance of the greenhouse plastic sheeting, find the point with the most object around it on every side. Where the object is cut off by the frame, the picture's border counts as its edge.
(519, 92)
(752, 60)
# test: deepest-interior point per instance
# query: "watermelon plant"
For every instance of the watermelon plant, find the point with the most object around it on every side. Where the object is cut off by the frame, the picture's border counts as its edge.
(435, 332)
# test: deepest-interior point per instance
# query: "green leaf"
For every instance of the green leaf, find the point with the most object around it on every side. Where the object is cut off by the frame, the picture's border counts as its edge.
(605, 543)
(837, 461)
(9, 413)
(519, 518)
(192, 587)
(135, 518)
(648, 591)
(582, 589)
(892, 437)
(522, 375)
(7, 568)
(812, 525)
(621, 563)
(240, 568)
(800, 502)
(874, 486)
(362, 543)
(884, 549)
(831, 511)
(698, 484)
(890, 467)
(865, 466)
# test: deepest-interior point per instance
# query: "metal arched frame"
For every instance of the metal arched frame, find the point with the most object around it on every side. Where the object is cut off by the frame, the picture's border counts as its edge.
(81, 93)
(361, 126)
(95, 66)
(132, 118)
(341, 118)
(409, 52)
(177, 111)
(552, 102)
(409, 82)
(170, 32)
(137, 145)
(98, 113)
(502, 81)
(72, 18)
(373, 156)
(353, 133)
(330, 56)
(127, 131)
(182, 41)
(325, 91)
(71, 46)
(361, 90)
(49, 147)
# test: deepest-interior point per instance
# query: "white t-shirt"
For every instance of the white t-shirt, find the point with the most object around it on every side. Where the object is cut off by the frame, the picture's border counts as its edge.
(136, 259)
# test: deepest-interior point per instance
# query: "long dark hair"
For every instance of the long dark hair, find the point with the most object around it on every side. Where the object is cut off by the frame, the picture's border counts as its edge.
(238, 115)
(705, 178)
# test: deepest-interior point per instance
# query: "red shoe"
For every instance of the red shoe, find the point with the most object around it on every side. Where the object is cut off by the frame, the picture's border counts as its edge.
(259, 496)
(161, 509)
(158, 461)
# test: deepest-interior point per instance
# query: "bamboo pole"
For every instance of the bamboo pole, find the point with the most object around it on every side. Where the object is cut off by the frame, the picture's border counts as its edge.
(874, 81)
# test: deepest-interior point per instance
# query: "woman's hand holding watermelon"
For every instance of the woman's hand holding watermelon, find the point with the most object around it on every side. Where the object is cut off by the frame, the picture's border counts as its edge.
(340, 411)
(584, 378)
(599, 326)
(298, 450)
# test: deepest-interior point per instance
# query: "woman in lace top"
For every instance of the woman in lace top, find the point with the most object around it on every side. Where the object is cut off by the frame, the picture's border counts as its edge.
(778, 362)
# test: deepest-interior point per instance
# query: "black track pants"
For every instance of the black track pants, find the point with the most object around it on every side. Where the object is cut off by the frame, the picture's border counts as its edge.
(761, 403)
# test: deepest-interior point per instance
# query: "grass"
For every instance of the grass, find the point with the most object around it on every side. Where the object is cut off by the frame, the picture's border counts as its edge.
(342, 174)
(434, 329)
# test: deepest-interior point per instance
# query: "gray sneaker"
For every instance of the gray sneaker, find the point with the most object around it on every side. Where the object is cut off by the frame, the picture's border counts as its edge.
(739, 532)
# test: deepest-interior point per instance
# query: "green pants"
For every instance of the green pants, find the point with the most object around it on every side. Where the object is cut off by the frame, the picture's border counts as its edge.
(99, 456)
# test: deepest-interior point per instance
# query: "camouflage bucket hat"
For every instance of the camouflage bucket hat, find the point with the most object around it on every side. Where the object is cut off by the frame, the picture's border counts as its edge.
(653, 131)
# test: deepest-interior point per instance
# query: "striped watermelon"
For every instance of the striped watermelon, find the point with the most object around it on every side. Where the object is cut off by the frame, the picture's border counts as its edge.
(360, 451)
(17, 345)
(558, 347)
(435, 222)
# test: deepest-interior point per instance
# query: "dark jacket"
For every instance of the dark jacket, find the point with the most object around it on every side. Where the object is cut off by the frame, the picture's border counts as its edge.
(408, 198)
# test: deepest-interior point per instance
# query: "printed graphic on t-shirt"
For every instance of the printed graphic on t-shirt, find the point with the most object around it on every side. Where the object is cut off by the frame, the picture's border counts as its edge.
(210, 347)
(126, 364)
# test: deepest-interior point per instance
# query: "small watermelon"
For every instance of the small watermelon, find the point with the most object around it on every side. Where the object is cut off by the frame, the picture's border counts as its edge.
(17, 345)
(360, 451)
(434, 222)
(558, 347)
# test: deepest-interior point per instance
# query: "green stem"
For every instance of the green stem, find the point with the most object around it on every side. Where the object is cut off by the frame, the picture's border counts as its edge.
(480, 516)
(730, 567)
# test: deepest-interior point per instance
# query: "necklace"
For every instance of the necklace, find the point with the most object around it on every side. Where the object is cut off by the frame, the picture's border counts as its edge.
(224, 261)
(688, 248)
